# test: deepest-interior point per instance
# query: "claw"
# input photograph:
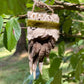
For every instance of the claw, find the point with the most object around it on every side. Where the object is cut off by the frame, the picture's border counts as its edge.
(34, 69)
(31, 67)
(40, 67)
(30, 63)
(34, 74)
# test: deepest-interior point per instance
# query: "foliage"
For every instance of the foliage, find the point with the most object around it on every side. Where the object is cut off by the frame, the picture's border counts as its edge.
(1, 23)
(13, 7)
(57, 73)
(11, 34)
(72, 1)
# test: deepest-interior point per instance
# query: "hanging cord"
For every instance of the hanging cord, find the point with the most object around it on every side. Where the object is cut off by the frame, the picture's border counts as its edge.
(41, 5)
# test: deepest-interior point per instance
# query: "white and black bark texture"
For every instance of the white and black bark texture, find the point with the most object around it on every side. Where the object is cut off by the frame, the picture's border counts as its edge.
(41, 40)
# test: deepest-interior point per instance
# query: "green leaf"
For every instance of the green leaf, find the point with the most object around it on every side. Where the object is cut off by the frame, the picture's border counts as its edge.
(40, 80)
(16, 28)
(67, 24)
(1, 23)
(12, 33)
(52, 2)
(50, 80)
(78, 70)
(57, 78)
(74, 60)
(5, 39)
(47, 1)
(9, 38)
(28, 80)
(14, 7)
(5, 16)
(29, 5)
(61, 49)
(81, 1)
(72, 1)
(54, 67)
(82, 79)
(80, 42)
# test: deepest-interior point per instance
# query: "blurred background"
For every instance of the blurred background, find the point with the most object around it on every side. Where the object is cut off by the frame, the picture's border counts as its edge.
(66, 59)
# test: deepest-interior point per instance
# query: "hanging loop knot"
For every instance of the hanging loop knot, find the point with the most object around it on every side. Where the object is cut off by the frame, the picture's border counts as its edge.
(41, 5)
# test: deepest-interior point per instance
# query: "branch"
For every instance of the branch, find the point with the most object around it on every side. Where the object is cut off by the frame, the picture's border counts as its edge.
(58, 5)
(23, 27)
(69, 6)
(41, 5)
(78, 20)
(22, 16)
(80, 15)
(75, 36)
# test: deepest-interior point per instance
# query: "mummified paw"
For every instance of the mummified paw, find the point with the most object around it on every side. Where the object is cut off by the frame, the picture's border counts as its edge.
(38, 52)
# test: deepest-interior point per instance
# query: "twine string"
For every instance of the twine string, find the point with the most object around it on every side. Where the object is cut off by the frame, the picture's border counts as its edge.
(41, 5)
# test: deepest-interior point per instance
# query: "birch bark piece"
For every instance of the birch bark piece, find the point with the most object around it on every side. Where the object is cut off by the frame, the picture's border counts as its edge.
(33, 32)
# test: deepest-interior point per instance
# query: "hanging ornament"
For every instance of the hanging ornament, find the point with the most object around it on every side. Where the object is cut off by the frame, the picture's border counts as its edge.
(42, 34)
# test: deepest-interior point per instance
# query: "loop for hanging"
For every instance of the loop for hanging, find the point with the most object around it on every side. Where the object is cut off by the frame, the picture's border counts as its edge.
(34, 6)
(41, 5)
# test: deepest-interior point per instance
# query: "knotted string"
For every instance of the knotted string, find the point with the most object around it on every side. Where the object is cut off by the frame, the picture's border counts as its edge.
(41, 5)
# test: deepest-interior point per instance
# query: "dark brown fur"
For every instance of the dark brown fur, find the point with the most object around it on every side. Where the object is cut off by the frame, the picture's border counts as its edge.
(39, 49)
